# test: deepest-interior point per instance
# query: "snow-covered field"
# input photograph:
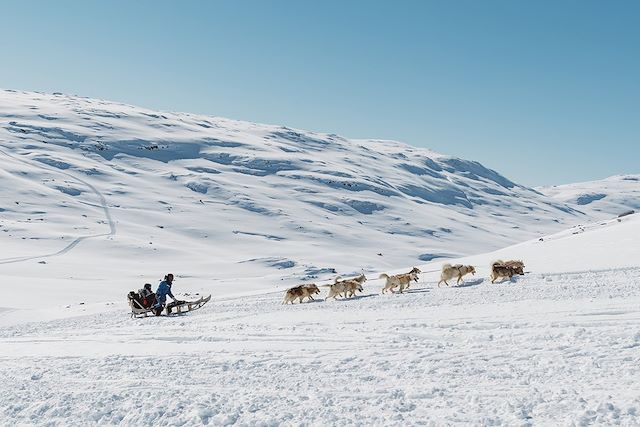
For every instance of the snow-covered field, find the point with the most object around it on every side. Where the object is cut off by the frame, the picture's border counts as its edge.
(98, 198)
(548, 348)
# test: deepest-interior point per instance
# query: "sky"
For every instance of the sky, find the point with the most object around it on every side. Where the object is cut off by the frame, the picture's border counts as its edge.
(545, 92)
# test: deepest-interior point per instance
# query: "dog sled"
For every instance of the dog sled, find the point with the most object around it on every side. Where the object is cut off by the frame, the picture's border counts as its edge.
(174, 308)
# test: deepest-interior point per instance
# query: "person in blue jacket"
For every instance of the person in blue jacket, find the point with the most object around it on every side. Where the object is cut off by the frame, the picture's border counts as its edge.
(164, 289)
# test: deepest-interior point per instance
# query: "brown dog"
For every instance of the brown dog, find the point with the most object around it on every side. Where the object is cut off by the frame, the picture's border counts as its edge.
(301, 292)
(506, 269)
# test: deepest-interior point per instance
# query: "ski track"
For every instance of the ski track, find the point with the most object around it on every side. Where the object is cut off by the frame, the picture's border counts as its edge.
(545, 349)
(103, 203)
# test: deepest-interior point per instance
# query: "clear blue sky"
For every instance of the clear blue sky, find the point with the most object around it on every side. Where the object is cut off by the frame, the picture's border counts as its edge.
(545, 92)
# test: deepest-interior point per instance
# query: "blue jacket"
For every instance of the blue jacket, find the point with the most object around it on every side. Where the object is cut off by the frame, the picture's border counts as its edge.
(164, 289)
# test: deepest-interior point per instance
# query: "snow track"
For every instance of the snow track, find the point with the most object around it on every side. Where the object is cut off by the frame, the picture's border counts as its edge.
(553, 349)
(77, 240)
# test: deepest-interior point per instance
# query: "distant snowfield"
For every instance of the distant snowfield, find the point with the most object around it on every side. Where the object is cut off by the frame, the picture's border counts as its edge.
(601, 199)
(99, 198)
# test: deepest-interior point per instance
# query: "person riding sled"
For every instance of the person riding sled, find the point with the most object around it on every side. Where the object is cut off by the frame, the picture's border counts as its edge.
(164, 289)
(145, 301)
(147, 297)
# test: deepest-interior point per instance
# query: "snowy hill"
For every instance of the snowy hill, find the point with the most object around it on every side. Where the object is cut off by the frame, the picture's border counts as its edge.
(558, 346)
(600, 199)
(100, 197)
(132, 193)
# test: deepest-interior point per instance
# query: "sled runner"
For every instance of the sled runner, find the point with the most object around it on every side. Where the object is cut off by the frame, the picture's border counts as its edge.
(179, 307)
(172, 309)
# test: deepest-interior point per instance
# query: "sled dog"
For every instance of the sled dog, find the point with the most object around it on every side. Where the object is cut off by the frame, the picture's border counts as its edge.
(351, 287)
(400, 280)
(514, 263)
(506, 269)
(450, 271)
(345, 287)
(300, 292)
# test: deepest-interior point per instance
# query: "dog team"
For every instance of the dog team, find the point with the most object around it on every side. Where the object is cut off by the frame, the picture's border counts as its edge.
(347, 288)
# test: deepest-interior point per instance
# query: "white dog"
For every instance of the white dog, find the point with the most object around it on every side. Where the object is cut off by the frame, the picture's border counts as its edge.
(399, 280)
(450, 271)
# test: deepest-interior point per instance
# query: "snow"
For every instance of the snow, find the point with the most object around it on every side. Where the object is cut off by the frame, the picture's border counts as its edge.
(600, 199)
(548, 348)
(99, 198)
(111, 193)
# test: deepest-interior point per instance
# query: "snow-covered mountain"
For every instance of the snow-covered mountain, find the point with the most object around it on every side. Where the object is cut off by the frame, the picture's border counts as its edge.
(98, 198)
(604, 198)
(129, 189)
